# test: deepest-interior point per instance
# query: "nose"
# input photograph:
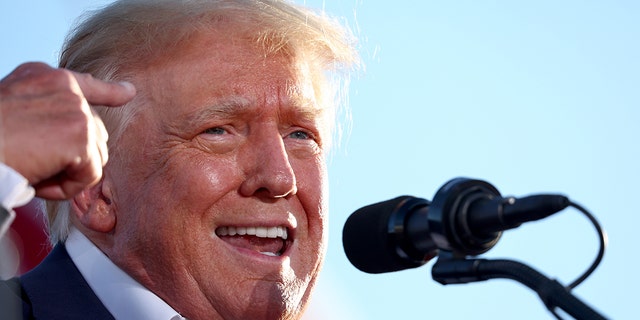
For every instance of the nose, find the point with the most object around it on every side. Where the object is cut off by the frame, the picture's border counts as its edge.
(269, 173)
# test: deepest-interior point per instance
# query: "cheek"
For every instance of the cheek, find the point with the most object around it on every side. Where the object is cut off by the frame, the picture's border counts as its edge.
(168, 209)
(192, 184)
(192, 177)
(313, 193)
(184, 182)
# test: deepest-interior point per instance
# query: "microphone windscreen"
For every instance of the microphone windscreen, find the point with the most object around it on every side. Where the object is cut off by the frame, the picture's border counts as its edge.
(369, 240)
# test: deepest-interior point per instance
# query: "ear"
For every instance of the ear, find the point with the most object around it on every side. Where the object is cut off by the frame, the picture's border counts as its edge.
(93, 208)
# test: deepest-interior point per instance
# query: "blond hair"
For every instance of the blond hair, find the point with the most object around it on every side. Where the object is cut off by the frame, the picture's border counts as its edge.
(115, 41)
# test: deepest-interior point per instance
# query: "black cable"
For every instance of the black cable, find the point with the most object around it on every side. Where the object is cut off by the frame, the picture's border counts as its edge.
(602, 237)
(451, 270)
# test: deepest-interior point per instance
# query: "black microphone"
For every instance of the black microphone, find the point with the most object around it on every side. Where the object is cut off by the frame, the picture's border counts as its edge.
(466, 217)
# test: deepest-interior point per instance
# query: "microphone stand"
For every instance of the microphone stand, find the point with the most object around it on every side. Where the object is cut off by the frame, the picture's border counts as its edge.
(451, 270)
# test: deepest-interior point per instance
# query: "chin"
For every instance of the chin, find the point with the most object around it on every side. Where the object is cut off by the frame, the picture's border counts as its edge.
(271, 300)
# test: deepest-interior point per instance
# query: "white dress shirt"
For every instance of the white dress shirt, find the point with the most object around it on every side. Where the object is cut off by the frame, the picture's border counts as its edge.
(123, 296)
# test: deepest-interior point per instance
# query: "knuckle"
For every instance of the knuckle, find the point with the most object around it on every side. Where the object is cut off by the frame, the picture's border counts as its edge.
(31, 68)
(61, 77)
(38, 80)
(30, 77)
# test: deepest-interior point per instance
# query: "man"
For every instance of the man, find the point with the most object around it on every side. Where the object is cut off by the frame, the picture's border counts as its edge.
(214, 202)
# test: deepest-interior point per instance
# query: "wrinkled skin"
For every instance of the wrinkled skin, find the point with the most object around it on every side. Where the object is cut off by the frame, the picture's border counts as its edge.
(226, 136)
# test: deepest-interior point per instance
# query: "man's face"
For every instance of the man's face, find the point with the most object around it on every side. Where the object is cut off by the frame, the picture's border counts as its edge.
(224, 158)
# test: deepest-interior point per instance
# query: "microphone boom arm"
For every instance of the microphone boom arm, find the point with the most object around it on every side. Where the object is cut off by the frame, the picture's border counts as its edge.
(451, 270)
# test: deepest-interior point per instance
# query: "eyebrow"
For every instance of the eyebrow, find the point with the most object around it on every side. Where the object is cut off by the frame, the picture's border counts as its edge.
(230, 107)
(235, 107)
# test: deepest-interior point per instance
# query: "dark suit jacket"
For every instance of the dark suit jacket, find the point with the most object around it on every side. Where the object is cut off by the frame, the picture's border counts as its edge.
(55, 289)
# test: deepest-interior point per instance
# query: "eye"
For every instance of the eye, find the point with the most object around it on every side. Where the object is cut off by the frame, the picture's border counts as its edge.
(302, 143)
(215, 130)
(302, 135)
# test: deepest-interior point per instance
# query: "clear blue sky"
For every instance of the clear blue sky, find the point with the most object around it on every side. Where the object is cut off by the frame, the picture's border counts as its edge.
(533, 96)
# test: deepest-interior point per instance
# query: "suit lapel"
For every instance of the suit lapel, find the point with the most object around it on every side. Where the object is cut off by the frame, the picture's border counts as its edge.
(57, 290)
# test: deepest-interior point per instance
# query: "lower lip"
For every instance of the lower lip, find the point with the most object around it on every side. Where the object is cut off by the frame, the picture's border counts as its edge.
(255, 255)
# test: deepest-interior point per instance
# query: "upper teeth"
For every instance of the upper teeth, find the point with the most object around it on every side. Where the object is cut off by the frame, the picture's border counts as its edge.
(261, 232)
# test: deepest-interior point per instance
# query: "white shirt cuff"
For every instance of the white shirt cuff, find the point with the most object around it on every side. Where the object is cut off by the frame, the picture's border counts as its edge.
(15, 190)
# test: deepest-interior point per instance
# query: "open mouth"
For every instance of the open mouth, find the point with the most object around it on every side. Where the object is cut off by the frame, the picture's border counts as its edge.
(269, 241)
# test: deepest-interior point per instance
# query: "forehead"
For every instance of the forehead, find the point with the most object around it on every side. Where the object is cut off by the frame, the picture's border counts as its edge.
(223, 65)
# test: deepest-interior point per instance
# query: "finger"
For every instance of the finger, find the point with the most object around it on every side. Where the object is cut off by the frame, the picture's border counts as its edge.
(58, 187)
(84, 171)
(50, 189)
(105, 93)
